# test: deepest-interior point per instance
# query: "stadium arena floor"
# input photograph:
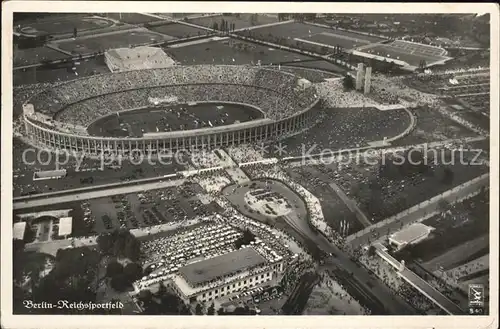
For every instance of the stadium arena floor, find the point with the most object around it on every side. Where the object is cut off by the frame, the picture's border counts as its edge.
(172, 118)
(63, 25)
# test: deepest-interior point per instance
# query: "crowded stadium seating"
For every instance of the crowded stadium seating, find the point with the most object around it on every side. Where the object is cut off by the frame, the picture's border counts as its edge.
(83, 100)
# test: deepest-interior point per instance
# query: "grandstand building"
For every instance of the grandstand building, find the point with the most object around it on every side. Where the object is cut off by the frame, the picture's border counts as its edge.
(139, 58)
(58, 118)
(224, 275)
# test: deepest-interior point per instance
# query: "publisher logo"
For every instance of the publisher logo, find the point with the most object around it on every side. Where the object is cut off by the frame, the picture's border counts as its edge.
(476, 299)
(476, 295)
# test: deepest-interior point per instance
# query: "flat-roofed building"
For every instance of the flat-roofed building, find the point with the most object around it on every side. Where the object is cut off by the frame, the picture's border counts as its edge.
(223, 275)
(412, 234)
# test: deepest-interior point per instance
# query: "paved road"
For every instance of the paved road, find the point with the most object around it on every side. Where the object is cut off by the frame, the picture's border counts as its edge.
(394, 223)
(393, 303)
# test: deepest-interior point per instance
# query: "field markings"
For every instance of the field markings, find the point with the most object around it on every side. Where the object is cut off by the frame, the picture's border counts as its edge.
(263, 25)
(314, 43)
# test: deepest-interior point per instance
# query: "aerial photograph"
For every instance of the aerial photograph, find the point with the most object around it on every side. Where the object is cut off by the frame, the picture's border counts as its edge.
(251, 164)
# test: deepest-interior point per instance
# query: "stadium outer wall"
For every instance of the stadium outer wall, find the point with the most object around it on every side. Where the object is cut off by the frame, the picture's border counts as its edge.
(210, 138)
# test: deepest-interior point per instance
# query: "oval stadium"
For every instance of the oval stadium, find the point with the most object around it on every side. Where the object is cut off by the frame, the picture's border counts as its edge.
(174, 108)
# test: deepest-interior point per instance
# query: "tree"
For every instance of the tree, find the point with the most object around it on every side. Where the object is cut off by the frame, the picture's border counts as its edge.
(162, 290)
(247, 237)
(133, 271)
(371, 251)
(348, 83)
(114, 268)
(443, 206)
(448, 176)
(120, 282)
(198, 309)
(211, 309)
(145, 295)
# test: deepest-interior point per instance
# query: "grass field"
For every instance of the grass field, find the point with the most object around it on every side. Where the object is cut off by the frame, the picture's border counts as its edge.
(391, 52)
(60, 72)
(298, 30)
(92, 44)
(332, 39)
(35, 55)
(131, 18)
(64, 25)
(233, 52)
(178, 30)
(241, 20)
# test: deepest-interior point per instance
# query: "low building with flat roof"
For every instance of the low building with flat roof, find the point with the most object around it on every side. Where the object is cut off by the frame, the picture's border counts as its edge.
(412, 234)
(223, 275)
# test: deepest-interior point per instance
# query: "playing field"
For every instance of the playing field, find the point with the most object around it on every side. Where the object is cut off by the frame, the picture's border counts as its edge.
(30, 56)
(92, 44)
(302, 31)
(235, 52)
(63, 25)
(60, 72)
(412, 58)
(132, 18)
(176, 30)
(241, 20)
(172, 118)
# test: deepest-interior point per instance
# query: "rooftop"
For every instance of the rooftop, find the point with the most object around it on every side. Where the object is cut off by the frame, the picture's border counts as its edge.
(65, 226)
(411, 233)
(220, 266)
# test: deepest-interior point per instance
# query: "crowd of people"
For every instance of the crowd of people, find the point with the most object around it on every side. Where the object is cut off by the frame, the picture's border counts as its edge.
(83, 100)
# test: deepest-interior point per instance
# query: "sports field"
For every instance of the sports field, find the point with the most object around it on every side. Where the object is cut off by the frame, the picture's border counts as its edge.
(236, 52)
(305, 31)
(60, 72)
(63, 25)
(176, 30)
(172, 118)
(131, 18)
(30, 56)
(333, 39)
(101, 42)
(241, 20)
(412, 58)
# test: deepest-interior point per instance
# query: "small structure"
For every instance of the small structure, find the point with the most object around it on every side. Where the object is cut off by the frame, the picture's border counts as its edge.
(65, 226)
(368, 79)
(413, 234)
(359, 76)
(49, 174)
